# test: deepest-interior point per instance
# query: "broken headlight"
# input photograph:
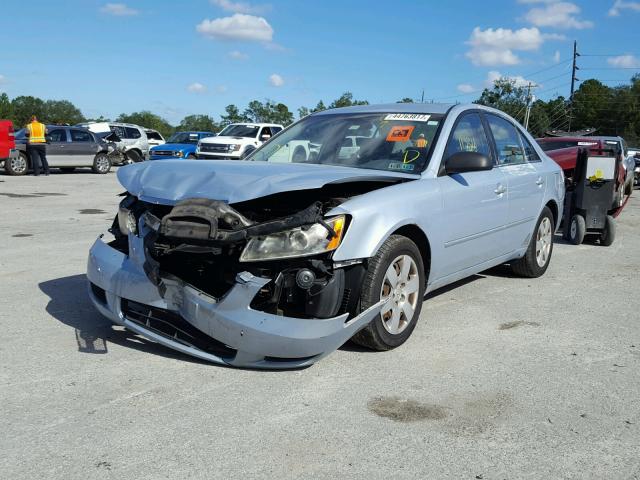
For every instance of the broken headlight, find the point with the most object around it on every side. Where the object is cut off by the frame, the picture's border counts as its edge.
(127, 221)
(297, 242)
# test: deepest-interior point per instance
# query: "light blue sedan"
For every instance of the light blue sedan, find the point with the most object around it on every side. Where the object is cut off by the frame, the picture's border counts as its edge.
(333, 230)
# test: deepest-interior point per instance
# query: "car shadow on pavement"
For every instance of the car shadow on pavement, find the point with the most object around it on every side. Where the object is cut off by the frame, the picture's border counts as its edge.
(69, 303)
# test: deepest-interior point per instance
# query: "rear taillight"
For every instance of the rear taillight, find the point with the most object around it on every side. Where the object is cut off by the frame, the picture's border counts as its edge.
(12, 133)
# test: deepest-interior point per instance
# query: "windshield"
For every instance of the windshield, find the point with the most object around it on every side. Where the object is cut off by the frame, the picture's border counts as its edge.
(239, 131)
(183, 137)
(398, 142)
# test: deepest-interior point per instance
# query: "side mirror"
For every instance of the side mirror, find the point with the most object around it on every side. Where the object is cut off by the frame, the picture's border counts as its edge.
(463, 162)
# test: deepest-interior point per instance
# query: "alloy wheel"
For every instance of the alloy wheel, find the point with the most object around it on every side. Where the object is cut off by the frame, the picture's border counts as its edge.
(544, 239)
(400, 288)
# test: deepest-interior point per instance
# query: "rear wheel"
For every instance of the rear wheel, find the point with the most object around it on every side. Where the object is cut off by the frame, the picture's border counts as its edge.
(536, 259)
(17, 165)
(101, 164)
(577, 229)
(394, 274)
(132, 156)
(608, 235)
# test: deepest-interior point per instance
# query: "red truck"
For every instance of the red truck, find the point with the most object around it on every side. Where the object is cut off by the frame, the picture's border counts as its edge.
(564, 151)
(8, 150)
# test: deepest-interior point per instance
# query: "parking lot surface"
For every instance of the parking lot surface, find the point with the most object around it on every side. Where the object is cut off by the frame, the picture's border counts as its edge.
(503, 377)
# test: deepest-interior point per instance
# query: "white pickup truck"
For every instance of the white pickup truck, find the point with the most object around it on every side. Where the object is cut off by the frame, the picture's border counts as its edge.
(236, 141)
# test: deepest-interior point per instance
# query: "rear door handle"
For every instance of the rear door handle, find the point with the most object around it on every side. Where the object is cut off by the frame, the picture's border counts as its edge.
(500, 189)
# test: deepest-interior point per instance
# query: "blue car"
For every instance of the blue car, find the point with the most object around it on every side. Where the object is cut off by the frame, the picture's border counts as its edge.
(180, 145)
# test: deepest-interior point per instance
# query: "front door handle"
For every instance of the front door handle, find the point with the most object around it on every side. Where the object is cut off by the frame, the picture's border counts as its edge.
(500, 189)
(540, 181)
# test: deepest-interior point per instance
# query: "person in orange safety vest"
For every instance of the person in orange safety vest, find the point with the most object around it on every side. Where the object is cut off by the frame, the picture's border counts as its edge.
(37, 146)
(421, 142)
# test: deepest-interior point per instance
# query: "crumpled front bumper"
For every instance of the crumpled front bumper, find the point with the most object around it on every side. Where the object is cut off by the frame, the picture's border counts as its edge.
(259, 339)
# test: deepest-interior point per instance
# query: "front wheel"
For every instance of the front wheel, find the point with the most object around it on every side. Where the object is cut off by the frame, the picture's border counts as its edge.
(395, 274)
(536, 259)
(17, 165)
(101, 164)
(577, 229)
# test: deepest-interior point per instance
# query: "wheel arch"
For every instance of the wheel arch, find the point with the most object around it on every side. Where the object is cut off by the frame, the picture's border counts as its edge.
(417, 236)
(553, 206)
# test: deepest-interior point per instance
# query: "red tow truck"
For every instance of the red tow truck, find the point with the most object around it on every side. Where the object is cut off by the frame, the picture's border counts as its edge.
(8, 149)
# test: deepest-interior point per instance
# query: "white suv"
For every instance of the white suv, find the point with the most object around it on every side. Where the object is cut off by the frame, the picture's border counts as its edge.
(236, 141)
(133, 138)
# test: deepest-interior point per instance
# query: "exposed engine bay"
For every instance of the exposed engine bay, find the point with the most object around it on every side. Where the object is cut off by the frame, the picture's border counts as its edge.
(204, 243)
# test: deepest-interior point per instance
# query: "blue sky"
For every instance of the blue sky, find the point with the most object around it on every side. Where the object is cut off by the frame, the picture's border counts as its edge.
(197, 56)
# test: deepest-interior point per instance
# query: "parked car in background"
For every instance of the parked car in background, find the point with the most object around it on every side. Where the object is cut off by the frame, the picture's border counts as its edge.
(270, 264)
(68, 148)
(236, 141)
(133, 141)
(564, 151)
(8, 151)
(179, 145)
(154, 137)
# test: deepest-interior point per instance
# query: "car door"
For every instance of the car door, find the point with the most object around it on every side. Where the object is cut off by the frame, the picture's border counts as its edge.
(58, 147)
(525, 180)
(82, 148)
(474, 204)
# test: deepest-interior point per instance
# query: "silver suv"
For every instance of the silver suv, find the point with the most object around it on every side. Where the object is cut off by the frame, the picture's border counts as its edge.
(133, 138)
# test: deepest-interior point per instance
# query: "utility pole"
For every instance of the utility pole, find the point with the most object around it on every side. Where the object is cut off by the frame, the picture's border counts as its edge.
(422, 99)
(528, 111)
(573, 80)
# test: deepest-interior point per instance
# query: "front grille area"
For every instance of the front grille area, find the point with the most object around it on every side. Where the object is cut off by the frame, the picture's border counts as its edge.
(174, 327)
(214, 148)
(162, 153)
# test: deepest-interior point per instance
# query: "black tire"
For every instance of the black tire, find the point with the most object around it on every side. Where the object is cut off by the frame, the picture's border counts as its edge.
(17, 166)
(67, 169)
(132, 156)
(246, 153)
(529, 265)
(608, 235)
(101, 164)
(299, 155)
(375, 335)
(191, 156)
(577, 229)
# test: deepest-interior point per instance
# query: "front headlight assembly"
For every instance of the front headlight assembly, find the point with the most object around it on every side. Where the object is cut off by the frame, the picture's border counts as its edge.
(297, 242)
(126, 219)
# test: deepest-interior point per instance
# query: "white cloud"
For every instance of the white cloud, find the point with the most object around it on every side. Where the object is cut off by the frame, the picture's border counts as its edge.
(518, 80)
(624, 61)
(556, 56)
(557, 15)
(276, 80)
(237, 55)
(118, 10)
(221, 89)
(196, 87)
(618, 5)
(466, 88)
(237, 27)
(240, 7)
(493, 47)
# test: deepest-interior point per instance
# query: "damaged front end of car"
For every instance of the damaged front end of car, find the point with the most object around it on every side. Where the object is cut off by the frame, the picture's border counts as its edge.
(250, 284)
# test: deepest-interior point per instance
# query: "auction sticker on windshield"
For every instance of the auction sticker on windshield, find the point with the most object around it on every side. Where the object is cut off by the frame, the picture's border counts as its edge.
(400, 133)
(411, 117)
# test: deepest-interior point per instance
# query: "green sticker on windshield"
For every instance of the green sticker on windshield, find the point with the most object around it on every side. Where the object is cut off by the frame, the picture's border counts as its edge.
(401, 166)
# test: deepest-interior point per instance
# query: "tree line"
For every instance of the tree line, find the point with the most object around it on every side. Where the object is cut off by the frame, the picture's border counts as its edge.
(611, 110)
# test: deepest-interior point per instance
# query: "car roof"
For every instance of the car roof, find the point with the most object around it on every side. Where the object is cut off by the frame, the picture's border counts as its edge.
(257, 124)
(434, 108)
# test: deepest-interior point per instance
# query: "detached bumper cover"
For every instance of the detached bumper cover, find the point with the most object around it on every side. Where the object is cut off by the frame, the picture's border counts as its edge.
(257, 339)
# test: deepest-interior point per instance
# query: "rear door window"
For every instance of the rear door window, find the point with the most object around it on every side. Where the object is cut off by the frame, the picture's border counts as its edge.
(507, 140)
(132, 133)
(530, 153)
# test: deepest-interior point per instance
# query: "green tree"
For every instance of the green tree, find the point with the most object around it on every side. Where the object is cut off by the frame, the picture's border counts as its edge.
(6, 112)
(148, 120)
(507, 96)
(198, 123)
(406, 100)
(62, 112)
(24, 107)
(232, 115)
(346, 100)
(593, 106)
